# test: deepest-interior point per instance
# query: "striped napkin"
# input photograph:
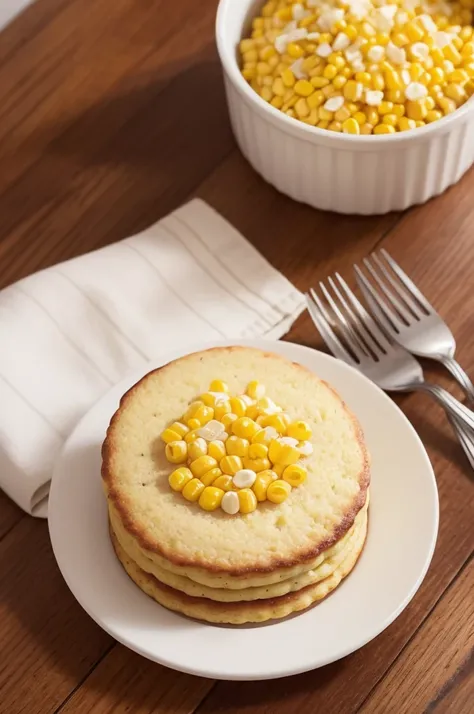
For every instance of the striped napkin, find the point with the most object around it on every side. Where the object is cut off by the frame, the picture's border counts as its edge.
(70, 332)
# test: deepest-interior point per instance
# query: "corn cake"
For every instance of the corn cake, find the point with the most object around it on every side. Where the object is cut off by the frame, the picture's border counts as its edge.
(290, 528)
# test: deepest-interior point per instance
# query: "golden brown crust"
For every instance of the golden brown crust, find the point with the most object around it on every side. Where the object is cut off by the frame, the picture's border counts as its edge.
(150, 546)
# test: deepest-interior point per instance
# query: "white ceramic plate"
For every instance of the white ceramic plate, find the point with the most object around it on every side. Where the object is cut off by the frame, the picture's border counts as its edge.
(402, 535)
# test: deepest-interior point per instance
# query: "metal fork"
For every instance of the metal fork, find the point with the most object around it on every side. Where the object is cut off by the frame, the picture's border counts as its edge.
(407, 315)
(364, 346)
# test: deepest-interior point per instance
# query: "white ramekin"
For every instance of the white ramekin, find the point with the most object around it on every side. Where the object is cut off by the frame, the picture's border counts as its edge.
(332, 171)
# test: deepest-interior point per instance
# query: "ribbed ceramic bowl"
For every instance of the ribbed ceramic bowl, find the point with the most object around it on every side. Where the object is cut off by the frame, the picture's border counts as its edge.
(332, 171)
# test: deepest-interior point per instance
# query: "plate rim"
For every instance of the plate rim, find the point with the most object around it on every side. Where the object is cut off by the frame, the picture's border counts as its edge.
(261, 343)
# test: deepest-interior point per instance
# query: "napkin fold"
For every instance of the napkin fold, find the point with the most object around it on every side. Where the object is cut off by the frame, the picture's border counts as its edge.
(70, 332)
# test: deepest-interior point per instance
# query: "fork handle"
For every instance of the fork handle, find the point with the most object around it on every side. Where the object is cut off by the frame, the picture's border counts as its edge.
(450, 404)
(466, 441)
(459, 374)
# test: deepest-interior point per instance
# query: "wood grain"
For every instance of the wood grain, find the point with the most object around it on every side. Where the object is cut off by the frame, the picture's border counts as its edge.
(112, 114)
(442, 646)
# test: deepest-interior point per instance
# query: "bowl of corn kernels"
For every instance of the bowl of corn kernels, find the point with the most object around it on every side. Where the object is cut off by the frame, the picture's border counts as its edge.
(354, 106)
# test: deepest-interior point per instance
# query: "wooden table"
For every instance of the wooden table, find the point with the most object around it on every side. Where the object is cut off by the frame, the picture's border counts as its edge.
(113, 113)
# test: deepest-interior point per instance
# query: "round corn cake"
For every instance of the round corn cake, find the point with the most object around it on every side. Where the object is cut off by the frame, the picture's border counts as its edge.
(332, 558)
(274, 542)
(239, 613)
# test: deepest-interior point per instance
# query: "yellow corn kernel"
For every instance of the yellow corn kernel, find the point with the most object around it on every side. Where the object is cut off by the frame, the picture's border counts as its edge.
(382, 38)
(288, 78)
(179, 428)
(247, 500)
(366, 128)
(433, 115)
(250, 57)
(300, 430)
(231, 464)
(257, 451)
(263, 69)
(278, 421)
(419, 124)
(217, 449)
(192, 409)
(325, 115)
(295, 475)
(416, 110)
(278, 469)
(208, 398)
(284, 14)
(352, 90)
(447, 105)
(197, 448)
(179, 478)
(201, 465)
(224, 482)
(360, 119)
(372, 115)
(315, 99)
(390, 120)
(194, 424)
(257, 23)
(323, 124)
(385, 108)
(176, 452)
(335, 126)
(436, 76)
(342, 114)
(395, 96)
(217, 385)
(252, 412)
(267, 52)
(303, 88)
(294, 50)
(228, 419)
(283, 453)
(416, 71)
(262, 482)
(246, 45)
(238, 406)
(430, 103)
(337, 61)
(456, 92)
(405, 124)
(313, 117)
(193, 489)
(191, 436)
(301, 107)
(384, 129)
(211, 476)
(255, 390)
(236, 446)
(350, 126)
(399, 110)
(169, 435)
(378, 81)
(278, 87)
(256, 465)
(329, 71)
(400, 39)
(210, 499)
(364, 78)
(312, 64)
(329, 91)
(465, 35)
(393, 80)
(203, 415)
(414, 32)
(278, 491)
(339, 81)
(244, 427)
(352, 32)
(452, 54)
(221, 409)
(468, 49)
(319, 82)
(459, 76)
(266, 93)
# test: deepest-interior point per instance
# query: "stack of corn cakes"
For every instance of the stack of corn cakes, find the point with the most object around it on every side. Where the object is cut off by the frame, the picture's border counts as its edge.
(283, 547)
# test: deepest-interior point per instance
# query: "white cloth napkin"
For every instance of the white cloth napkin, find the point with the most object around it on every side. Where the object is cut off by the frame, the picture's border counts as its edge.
(68, 333)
